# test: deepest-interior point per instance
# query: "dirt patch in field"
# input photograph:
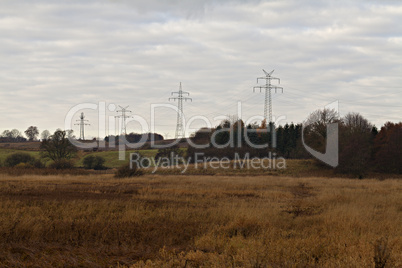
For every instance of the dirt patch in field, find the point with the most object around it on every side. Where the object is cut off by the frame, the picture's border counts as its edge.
(73, 191)
(302, 190)
(298, 206)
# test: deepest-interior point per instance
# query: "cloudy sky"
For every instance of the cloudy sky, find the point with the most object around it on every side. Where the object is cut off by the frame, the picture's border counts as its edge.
(56, 55)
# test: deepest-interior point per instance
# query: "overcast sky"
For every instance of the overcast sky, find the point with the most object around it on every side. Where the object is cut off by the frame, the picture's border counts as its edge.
(59, 54)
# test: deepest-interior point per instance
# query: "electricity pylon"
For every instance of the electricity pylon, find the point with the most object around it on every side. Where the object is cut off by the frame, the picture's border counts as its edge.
(82, 124)
(123, 115)
(268, 100)
(179, 128)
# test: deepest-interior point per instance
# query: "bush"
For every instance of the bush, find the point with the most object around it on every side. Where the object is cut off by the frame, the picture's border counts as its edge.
(37, 164)
(94, 162)
(17, 158)
(381, 253)
(125, 171)
(62, 164)
(144, 162)
(23, 165)
(169, 153)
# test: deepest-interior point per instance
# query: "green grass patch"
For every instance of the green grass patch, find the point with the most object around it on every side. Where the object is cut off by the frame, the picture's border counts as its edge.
(112, 157)
(5, 152)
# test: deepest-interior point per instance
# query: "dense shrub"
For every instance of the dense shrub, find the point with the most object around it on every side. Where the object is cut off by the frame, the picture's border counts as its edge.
(125, 171)
(17, 158)
(169, 153)
(38, 164)
(23, 165)
(141, 160)
(94, 162)
(62, 164)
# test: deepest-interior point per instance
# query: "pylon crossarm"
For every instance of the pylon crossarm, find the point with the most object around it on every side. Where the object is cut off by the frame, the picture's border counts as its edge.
(258, 87)
(274, 78)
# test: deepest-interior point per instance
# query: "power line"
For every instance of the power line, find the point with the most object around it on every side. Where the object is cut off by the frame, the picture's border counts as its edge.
(82, 124)
(123, 116)
(179, 127)
(268, 87)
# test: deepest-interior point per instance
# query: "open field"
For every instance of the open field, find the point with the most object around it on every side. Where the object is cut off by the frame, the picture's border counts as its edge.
(294, 167)
(193, 221)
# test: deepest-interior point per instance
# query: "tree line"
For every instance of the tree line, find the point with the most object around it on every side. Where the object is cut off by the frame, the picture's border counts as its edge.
(134, 137)
(31, 134)
(362, 147)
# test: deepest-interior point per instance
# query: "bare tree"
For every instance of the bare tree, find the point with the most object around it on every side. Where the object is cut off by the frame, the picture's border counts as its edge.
(45, 135)
(318, 120)
(58, 147)
(6, 134)
(32, 132)
(315, 130)
(355, 122)
(15, 133)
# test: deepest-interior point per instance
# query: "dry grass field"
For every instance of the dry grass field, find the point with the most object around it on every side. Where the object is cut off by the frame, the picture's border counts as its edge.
(199, 221)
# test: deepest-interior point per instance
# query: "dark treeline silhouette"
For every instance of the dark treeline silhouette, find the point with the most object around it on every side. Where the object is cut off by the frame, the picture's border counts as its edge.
(387, 148)
(135, 137)
(13, 135)
(233, 139)
(362, 148)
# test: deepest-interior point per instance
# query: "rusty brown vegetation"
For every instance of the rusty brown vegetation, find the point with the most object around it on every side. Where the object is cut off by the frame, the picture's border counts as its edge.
(199, 221)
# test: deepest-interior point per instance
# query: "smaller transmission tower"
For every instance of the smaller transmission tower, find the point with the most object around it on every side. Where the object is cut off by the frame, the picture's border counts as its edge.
(179, 128)
(82, 124)
(268, 88)
(123, 116)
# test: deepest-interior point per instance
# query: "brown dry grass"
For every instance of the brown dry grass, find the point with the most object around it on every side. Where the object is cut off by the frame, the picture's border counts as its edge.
(198, 221)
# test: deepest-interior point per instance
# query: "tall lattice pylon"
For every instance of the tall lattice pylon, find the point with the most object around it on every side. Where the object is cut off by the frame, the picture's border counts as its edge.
(268, 99)
(123, 116)
(82, 125)
(180, 97)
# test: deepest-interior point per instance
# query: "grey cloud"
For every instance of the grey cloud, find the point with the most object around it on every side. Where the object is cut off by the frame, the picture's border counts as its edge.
(58, 54)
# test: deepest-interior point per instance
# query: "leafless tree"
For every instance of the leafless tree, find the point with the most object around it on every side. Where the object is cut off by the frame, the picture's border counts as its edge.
(318, 120)
(315, 128)
(45, 135)
(355, 122)
(32, 132)
(58, 147)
